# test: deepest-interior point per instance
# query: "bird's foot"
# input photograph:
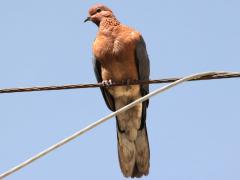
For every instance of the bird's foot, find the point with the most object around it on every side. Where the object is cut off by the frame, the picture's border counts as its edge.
(127, 83)
(107, 83)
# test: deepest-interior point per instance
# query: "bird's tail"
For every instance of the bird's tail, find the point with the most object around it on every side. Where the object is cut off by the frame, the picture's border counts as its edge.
(134, 153)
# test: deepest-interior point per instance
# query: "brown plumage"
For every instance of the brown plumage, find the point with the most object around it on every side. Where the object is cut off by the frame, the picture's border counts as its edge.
(120, 54)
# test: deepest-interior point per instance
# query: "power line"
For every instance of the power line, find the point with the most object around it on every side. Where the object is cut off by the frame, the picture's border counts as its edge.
(93, 125)
(216, 75)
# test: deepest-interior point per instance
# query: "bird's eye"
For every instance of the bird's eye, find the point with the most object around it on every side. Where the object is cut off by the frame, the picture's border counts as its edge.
(99, 10)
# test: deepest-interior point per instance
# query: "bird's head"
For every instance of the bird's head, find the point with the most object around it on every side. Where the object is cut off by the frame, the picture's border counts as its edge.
(99, 12)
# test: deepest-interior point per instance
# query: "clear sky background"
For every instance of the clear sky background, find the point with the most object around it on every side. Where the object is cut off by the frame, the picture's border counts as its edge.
(193, 129)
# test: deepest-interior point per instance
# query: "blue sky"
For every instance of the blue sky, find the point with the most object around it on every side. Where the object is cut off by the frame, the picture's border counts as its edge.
(193, 129)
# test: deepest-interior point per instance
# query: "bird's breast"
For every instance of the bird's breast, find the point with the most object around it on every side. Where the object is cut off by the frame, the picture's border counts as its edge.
(117, 57)
(107, 47)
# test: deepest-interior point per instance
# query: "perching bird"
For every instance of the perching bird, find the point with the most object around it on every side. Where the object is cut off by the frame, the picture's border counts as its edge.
(120, 55)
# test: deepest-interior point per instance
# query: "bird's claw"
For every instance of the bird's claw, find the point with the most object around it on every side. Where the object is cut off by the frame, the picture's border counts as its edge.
(107, 83)
(126, 82)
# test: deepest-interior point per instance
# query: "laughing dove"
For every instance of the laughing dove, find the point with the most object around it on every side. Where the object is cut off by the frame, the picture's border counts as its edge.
(120, 55)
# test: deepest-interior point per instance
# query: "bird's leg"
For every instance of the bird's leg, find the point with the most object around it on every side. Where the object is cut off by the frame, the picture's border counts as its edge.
(127, 83)
(107, 83)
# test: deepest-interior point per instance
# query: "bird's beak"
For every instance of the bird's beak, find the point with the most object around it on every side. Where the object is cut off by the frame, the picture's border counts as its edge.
(87, 19)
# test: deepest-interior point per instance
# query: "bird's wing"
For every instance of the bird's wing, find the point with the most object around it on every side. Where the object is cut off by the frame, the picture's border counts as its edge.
(107, 97)
(143, 65)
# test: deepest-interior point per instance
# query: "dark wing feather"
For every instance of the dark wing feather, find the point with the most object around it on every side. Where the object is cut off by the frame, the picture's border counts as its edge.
(107, 97)
(143, 65)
